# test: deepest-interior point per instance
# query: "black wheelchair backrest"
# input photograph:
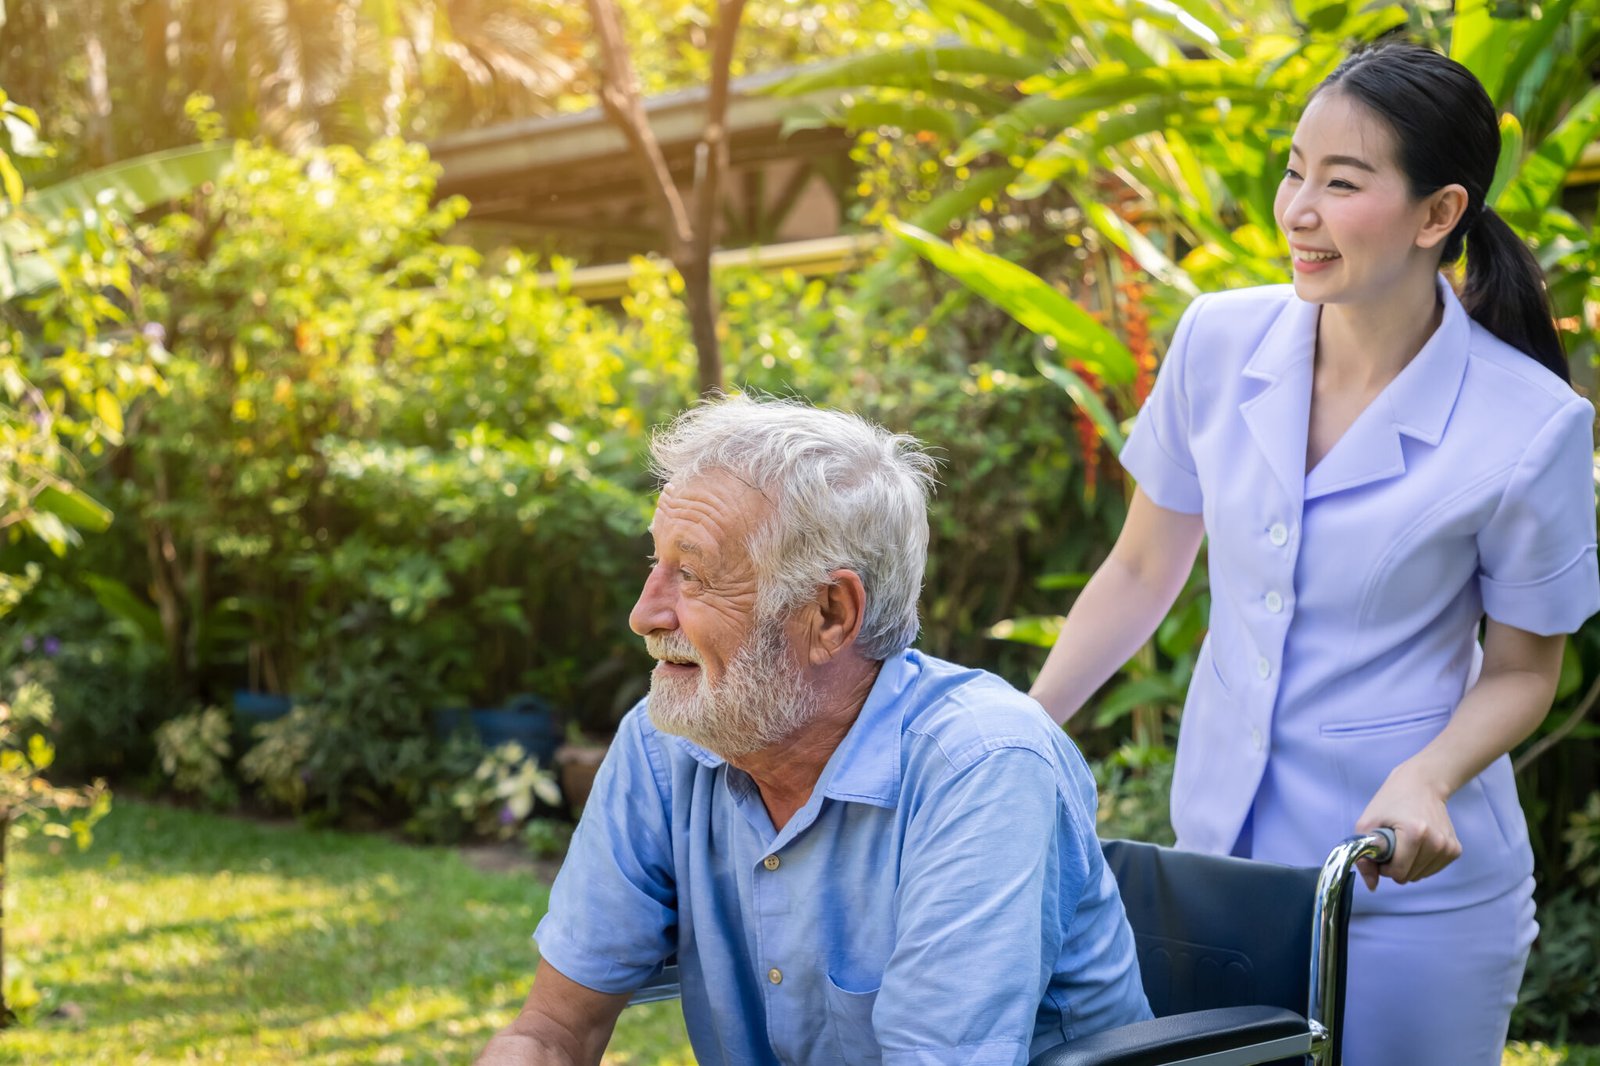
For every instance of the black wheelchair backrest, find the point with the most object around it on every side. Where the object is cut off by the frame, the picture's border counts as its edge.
(1214, 931)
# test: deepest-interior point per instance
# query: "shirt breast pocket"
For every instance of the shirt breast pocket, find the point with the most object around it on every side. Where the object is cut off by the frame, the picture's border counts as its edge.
(850, 1019)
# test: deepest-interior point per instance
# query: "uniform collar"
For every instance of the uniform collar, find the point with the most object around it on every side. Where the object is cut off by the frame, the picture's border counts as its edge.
(1416, 404)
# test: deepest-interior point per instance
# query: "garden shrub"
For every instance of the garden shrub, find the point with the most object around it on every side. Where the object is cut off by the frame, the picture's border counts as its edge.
(194, 749)
(391, 476)
(1560, 997)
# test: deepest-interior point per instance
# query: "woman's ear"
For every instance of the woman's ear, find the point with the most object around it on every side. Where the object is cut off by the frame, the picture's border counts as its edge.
(1445, 208)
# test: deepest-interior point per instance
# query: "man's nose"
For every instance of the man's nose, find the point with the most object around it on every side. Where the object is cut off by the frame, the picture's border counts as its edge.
(653, 611)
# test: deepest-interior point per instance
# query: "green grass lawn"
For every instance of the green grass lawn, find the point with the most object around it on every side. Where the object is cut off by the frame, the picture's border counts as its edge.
(189, 938)
(182, 937)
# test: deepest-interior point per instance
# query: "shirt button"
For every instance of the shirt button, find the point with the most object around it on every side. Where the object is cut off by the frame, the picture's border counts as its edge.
(1263, 668)
(771, 862)
(775, 975)
(1274, 602)
(1278, 534)
(1256, 738)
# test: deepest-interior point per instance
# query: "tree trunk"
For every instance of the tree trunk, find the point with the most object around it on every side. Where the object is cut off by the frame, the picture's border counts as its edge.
(8, 1017)
(690, 233)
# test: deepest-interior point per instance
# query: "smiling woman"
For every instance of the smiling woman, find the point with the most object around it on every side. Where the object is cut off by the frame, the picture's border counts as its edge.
(1381, 467)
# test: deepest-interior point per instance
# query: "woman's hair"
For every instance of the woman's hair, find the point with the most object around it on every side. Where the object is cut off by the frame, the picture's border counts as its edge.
(1447, 132)
(844, 494)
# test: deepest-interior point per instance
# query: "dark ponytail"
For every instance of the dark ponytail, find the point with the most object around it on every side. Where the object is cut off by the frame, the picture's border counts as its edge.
(1447, 133)
(1505, 292)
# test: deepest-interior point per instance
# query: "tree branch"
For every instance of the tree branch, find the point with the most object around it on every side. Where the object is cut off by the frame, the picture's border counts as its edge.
(1560, 732)
(711, 155)
(621, 99)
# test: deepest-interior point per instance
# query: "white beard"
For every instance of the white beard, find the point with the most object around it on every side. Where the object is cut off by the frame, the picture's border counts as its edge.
(760, 701)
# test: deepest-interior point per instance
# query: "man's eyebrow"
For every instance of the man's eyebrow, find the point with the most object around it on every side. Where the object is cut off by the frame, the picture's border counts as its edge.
(1338, 160)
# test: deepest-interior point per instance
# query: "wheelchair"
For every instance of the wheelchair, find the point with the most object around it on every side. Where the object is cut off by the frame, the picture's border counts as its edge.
(1243, 962)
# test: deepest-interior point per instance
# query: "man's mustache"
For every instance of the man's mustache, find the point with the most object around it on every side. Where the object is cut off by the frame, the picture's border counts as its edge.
(671, 645)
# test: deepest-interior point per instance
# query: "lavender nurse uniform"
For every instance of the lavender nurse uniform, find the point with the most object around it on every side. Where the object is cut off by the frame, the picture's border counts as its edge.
(1346, 605)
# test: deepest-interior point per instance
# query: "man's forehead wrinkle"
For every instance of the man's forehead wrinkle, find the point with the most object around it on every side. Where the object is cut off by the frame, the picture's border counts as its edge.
(707, 518)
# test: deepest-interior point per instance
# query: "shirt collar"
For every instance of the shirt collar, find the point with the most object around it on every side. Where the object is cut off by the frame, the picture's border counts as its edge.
(865, 767)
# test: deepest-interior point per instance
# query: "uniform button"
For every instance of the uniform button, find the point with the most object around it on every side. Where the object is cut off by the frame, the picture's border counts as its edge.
(1278, 534)
(1256, 738)
(1274, 602)
(1263, 668)
(771, 862)
(775, 975)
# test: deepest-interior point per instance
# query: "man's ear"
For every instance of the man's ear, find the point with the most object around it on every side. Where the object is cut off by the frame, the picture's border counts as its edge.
(840, 607)
(1445, 208)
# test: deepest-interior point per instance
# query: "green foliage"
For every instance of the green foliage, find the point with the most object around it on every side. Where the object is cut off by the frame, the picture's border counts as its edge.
(194, 749)
(547, 838)
(28, 802)
(110, 683)
(1134, 782)
(501, 793)
(277, 759)
(71, 354)
(1561, 989)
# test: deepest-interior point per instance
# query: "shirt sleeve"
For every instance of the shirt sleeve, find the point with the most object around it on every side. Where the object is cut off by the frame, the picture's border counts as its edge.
(613, 913)
(1157, 452)
(1537, 567)
(978, 915)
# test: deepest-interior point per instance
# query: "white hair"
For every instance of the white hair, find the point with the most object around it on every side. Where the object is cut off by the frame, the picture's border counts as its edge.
(845, 495)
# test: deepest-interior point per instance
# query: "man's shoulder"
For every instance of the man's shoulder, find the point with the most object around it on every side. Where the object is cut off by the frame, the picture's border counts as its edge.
(961, 714)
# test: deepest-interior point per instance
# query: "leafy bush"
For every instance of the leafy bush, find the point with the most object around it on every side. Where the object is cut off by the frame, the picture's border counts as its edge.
(277, 760)
(1561, 991)
(1134, 782)
(110, 685)
(501, 793)
(547, 838)
(194, 749)
(390, 476)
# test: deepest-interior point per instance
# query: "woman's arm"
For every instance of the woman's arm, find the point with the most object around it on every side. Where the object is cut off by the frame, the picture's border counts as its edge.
(1512, 696)
(1121, 605)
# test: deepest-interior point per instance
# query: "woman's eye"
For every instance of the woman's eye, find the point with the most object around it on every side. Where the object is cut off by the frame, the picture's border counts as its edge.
(1340, 183)
(1290, 175)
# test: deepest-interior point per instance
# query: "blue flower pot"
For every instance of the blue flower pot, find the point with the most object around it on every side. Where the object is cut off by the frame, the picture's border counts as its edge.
(528, 720)
(261, 706)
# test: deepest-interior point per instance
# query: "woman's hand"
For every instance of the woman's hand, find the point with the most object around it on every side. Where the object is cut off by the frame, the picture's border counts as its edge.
(1425, 838)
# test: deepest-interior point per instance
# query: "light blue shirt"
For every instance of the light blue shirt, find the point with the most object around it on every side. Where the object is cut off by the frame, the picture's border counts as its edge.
(941, 898)
(1345, 602)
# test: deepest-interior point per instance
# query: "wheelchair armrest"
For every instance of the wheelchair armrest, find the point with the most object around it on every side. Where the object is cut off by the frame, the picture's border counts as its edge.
(662, 986)
(1179, 1037)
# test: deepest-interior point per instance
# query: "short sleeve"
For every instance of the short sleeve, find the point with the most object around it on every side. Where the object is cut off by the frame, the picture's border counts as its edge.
(1157, 452)
(1537, 566)
(614, 906)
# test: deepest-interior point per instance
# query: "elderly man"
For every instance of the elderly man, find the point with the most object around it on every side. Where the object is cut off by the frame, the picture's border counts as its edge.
(859, 853)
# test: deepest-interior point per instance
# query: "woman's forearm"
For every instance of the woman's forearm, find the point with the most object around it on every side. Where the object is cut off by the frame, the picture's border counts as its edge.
(1120, 606)
(1512, 696)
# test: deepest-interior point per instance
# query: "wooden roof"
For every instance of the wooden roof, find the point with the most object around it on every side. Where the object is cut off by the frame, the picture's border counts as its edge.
(569, 184)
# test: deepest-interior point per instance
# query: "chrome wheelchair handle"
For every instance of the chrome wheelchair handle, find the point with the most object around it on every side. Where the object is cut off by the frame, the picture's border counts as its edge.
(1381, 840)
(1333, 891)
